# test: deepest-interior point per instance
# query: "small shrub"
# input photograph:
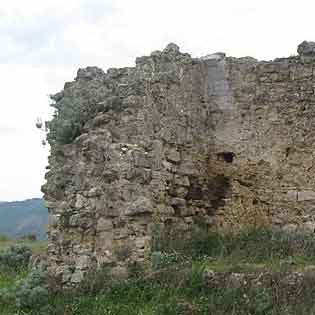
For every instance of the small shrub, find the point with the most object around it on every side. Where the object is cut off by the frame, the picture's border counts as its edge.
(136, 270)
(194, 284)
(32, 291)
(6, 296)
(95, 281)
(15, 257)
(29, 292)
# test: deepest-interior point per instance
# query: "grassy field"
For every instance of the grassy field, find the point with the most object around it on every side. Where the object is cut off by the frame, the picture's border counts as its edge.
(257, 272)
(36, 246)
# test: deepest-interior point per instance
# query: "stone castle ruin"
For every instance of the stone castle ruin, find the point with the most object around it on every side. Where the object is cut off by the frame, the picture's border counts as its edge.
(176, 140)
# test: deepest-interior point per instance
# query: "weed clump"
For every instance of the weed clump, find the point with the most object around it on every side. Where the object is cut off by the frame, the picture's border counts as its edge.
(32, 291)
(28, 293)
(16, 257)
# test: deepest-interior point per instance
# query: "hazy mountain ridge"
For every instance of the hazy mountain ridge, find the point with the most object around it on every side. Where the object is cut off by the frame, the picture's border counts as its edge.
(23, 217)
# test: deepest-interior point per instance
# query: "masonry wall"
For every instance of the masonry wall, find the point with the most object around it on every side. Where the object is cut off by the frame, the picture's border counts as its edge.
(173, 141)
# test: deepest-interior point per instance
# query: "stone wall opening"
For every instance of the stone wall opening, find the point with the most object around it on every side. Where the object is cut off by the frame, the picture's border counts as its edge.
(219, 189)
(227, 157)
(213, 191)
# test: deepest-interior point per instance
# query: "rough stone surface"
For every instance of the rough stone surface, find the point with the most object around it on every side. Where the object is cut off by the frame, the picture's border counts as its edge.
(175, 140)
(306, 48)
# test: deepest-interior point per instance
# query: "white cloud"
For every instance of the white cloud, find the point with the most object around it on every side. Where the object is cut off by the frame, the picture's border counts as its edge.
(43, 43)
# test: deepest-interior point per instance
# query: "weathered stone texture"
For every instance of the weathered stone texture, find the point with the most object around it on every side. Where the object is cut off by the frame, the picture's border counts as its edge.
(173, 140)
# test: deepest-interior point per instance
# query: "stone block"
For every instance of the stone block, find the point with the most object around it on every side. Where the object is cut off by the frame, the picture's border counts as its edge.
(181, 192)
(306, 195)
(290, 228)
(308, 227)
(292, 195)
(83, 262)
(141, 206)
(187, 211)
(181, 181)
(141, 242)
(53, 220)
(119, 272)
(178, 202)
(187, 168)
(121, 234)
(104, 241)
(104, 224)
(172, 155)
(165, 210)
(50, 204)
(94, 192)
(189, 220)
(77, 276)
(141, 159)
(75, 220)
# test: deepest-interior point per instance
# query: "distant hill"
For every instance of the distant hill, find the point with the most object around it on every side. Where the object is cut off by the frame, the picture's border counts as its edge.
(20, 218)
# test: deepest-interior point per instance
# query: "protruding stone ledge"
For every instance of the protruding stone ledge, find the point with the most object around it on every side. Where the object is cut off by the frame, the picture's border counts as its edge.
(306, 48)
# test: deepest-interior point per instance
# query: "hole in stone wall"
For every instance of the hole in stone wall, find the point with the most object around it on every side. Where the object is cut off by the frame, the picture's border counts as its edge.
(214, 191)
(195, 191)
(227, 157)
(219, 188)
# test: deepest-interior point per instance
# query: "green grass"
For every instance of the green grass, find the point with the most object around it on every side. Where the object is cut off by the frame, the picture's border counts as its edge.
(8, 279)
(248, 246)
(296, 263)
(187, 294)
(178, 286)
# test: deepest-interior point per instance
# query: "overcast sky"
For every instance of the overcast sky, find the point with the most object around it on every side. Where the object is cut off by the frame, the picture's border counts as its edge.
(44, 42)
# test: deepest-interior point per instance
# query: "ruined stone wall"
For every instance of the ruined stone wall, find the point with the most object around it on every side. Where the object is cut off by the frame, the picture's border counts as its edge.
(172, 141)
